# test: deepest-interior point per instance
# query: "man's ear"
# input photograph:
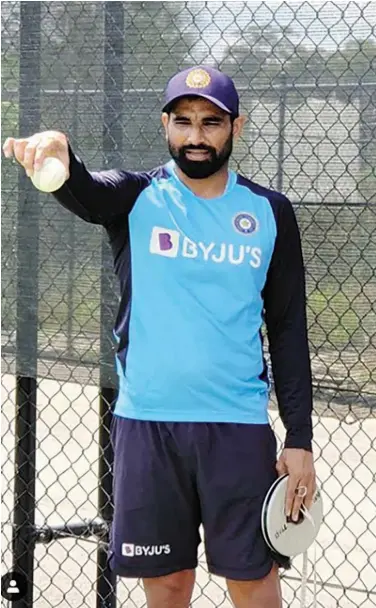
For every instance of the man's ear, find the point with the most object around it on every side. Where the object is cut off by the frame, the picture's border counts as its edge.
(165, 118)
(238, 125)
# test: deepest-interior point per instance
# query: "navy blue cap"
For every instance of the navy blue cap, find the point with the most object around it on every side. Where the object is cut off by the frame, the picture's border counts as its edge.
(206, 82)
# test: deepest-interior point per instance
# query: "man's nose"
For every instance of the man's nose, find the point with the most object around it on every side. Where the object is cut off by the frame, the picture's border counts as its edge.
(195, 137)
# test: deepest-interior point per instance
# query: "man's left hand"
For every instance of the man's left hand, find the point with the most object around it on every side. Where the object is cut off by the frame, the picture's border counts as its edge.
(298, 464)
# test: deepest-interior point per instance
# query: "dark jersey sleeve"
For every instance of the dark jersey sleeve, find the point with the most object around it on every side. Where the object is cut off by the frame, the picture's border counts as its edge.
(285, 317)
(99, 197)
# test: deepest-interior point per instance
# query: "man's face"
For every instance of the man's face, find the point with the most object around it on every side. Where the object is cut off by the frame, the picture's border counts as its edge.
(199, 136)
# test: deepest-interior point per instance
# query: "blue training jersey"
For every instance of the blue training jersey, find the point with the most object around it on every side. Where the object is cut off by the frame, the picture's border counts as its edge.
(198, 277)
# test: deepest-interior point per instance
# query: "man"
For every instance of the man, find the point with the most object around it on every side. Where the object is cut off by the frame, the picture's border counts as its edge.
(203, 255)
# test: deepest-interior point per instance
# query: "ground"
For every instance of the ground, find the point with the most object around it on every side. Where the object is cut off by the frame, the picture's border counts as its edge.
(66, 489)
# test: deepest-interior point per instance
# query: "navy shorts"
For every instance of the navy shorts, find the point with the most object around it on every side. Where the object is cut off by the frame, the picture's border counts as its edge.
(171, 477)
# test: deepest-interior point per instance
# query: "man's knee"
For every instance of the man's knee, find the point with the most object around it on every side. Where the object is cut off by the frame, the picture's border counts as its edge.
(257, 593)
(170, 591)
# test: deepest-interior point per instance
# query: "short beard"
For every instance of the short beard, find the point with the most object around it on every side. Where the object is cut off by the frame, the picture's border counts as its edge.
(201, 169)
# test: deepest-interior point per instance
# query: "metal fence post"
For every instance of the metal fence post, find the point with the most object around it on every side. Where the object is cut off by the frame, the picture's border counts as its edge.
(281, 131)
(27, 308)
(112, 150)
(72, 238)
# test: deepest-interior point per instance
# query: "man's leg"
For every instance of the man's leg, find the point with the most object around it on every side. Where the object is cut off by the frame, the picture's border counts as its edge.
(262, 593)
(171, 591)
(236, 466)
(155, 528)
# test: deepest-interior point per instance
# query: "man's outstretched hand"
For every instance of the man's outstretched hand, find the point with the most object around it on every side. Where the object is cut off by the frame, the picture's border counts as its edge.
(30, 152)
(299, 466)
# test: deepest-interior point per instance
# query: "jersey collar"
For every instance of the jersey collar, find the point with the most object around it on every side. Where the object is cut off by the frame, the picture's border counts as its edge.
(231, 181)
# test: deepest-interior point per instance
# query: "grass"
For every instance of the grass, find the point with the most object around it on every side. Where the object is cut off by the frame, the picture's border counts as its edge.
(337, 320)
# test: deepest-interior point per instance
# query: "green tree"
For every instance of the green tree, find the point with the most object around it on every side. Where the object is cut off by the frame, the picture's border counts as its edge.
(354, 68)
(10, 20)
(349, 67)
(157, 41)
(258, 55)
(73, 42)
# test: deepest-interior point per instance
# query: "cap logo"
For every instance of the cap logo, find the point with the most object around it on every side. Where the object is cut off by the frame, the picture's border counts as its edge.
(198, 79)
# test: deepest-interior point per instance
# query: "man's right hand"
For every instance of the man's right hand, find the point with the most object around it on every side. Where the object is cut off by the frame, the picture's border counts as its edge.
(30, 152)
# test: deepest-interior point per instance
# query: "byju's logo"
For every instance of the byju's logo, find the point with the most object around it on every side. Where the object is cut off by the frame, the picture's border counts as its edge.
(164, 242)
(127, 549)
(167, 243)
(131, 550)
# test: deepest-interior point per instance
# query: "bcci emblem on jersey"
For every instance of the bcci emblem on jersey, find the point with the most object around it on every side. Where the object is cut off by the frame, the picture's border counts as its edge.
(245, 223)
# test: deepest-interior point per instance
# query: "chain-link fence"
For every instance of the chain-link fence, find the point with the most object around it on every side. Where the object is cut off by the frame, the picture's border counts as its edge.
(96, 70)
